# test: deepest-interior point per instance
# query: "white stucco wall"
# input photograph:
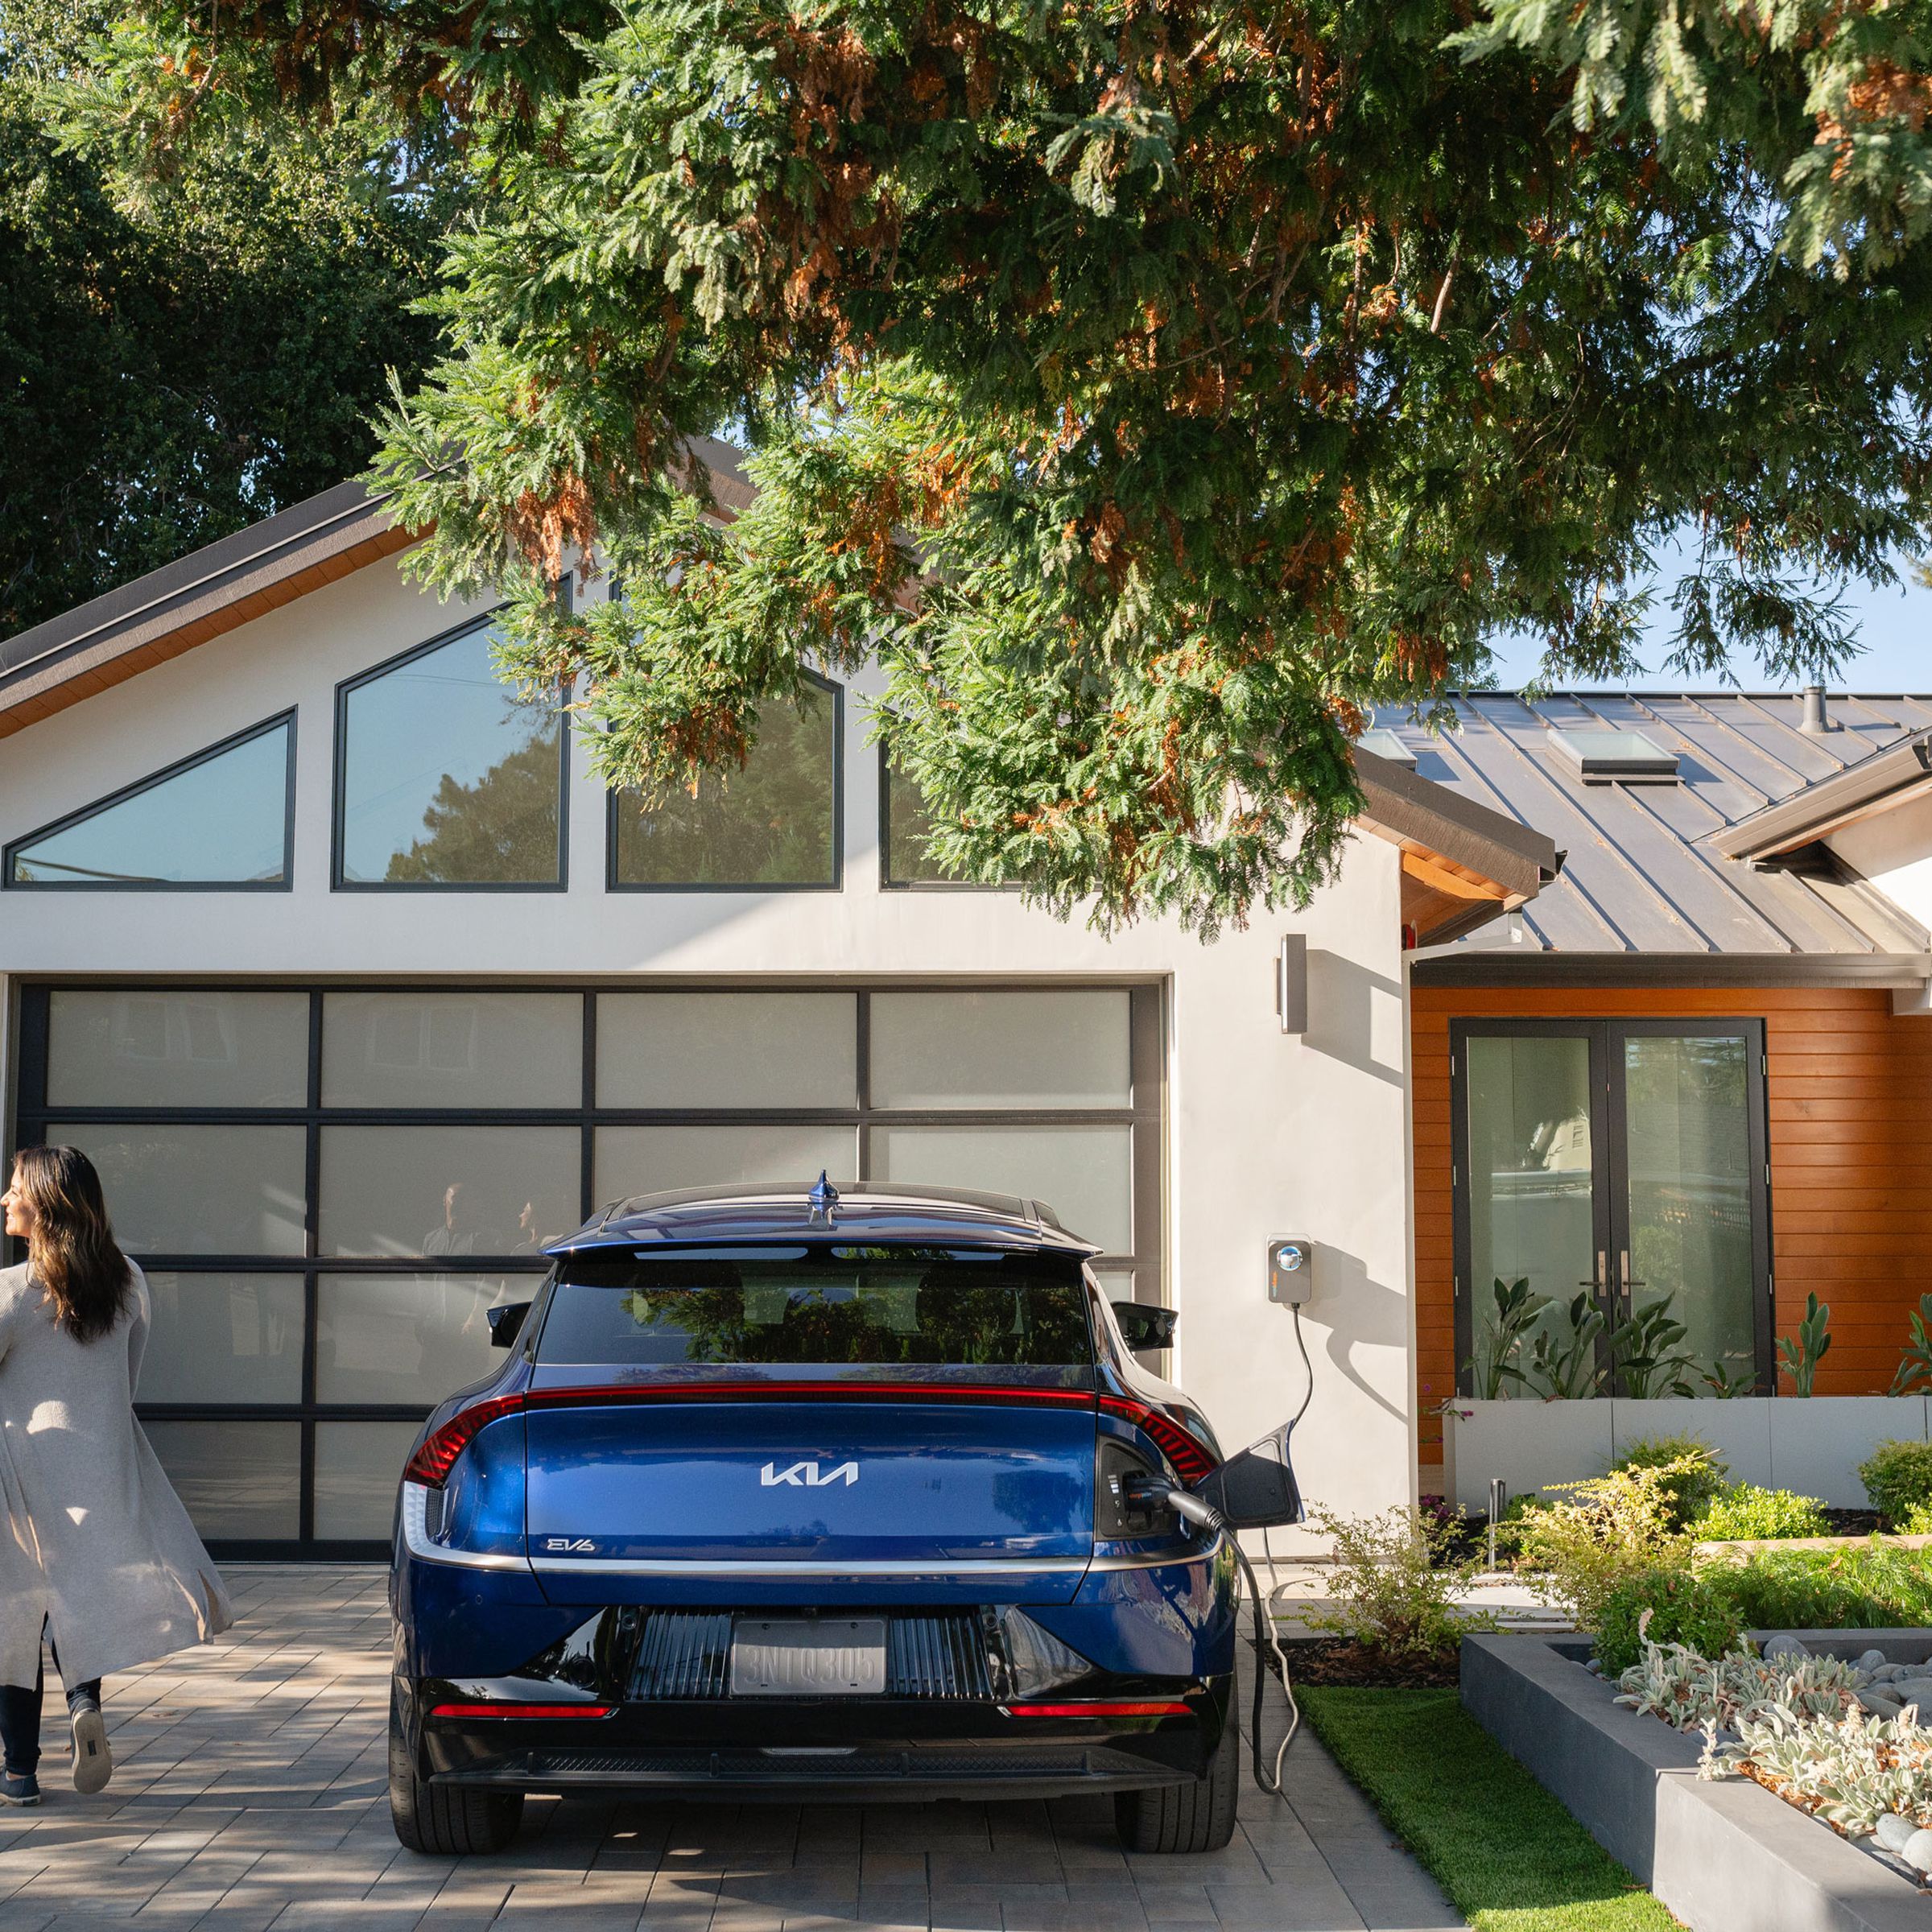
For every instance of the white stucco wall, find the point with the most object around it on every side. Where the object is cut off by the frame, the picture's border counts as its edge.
(1268, 1134)
(1893, 850)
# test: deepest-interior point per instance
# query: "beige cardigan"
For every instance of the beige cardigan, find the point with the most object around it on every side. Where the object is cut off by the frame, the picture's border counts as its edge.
(92, 1538)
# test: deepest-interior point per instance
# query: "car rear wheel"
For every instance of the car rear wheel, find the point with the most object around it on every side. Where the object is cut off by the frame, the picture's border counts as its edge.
(1198, 1816)
(447, 1819)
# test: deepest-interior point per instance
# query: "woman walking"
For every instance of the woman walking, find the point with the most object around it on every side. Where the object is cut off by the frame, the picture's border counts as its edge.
(95, 1548)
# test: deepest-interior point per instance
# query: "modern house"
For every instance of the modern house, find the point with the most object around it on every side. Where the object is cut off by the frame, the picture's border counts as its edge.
(1695, 1069)
(358, 987)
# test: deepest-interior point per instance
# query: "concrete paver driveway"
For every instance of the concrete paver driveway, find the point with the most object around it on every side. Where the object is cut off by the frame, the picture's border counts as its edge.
(249, 1791)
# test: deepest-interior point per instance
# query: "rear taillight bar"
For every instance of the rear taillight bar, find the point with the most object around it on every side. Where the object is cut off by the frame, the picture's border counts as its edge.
(431, 1464)
(542, 1710)
(1192, 1457)
(1164, 1708)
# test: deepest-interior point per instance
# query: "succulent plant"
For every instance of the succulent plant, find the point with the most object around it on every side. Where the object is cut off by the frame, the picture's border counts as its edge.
(1672, 1682)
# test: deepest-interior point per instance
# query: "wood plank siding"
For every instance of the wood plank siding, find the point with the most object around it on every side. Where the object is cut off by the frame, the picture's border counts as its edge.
(1850, 1139)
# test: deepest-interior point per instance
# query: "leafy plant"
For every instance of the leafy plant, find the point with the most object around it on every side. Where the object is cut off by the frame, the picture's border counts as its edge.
(1570, 1369)
(1689, 1690)
(1646, 1355)
(1867, 1587)
(1728, 1384)
(1668, 1604)
(1898, 1476)
(1591, 1538)
(1915, 1366)
(1694, 1473)
(1916, 1521)
(1517, 1312)
(1802, 1353)
(1394, 1584)
(1742, 1513)
(1849, 1770)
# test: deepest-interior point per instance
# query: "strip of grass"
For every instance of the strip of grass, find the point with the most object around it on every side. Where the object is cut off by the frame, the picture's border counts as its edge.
(1507, 1853)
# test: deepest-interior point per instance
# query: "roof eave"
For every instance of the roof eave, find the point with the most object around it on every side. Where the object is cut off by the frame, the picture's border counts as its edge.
(1878, 784)
(1463, 863)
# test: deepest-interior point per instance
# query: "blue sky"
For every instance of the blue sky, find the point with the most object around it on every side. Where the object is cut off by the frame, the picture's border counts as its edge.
(1894, 626)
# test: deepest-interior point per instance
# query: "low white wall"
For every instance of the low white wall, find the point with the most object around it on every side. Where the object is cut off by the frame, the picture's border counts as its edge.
(1811, 1445)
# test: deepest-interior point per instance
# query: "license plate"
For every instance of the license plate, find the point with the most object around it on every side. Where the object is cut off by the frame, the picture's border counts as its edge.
(820, 1657)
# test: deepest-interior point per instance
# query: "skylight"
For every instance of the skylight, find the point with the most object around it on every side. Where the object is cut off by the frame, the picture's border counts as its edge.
(1386, 744)
(1605, 755)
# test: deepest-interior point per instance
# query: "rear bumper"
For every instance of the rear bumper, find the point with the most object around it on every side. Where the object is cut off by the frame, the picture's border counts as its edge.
(869, 1748)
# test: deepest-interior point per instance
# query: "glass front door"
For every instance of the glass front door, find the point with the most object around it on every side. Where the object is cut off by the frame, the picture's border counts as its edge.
(1612, 1218)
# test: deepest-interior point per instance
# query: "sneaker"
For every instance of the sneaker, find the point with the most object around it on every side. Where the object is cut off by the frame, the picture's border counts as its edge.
(93, 1762)
(19, 1787)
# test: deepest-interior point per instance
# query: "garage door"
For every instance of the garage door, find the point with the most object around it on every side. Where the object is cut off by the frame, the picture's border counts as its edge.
(329, 1187)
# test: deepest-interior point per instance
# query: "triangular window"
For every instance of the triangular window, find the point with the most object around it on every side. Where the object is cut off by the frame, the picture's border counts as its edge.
(221, 820)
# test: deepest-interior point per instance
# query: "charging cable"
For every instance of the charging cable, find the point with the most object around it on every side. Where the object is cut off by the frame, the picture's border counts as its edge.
(1194, 1510)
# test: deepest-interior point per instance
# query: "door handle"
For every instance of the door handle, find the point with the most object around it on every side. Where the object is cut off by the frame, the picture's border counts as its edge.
(1629, 1284)
(1602, 1269)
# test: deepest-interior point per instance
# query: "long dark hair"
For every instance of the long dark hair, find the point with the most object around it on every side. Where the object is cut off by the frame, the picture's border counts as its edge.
(72, 1250)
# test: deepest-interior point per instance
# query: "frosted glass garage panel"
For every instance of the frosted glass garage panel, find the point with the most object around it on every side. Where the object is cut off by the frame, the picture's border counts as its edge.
(478, 1049)
(187, 1190)
(238, 1480)
(728, 1049)
(449, 1190)
(654, 1160)
(358, 1466)
(1083, 1174)
(1018, 1048)
(407, 1338)
(183, 1048)
(223, 1338)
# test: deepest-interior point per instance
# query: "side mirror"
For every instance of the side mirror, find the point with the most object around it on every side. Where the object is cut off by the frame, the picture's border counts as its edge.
(506, 1323)
(1256, 1489)
(1144, 1325)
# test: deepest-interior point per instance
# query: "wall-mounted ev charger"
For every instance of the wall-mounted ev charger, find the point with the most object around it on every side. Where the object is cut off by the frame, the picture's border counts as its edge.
(1291, 1270)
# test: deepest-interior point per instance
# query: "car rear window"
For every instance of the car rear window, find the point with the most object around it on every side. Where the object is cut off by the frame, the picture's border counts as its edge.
(972, 1307)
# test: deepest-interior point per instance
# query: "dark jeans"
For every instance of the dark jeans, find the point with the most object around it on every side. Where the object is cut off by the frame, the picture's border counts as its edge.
(20, 1718)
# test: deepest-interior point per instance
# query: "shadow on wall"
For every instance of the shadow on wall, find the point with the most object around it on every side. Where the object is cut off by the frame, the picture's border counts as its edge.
(1365, 1312)
(1355, 1016)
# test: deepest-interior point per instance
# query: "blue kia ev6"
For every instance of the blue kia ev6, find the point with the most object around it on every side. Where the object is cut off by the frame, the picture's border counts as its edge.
(783, 1495)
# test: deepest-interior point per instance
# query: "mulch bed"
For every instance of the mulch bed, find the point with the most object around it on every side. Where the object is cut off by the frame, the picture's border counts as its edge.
(1852, 1522)
(1335, 1660)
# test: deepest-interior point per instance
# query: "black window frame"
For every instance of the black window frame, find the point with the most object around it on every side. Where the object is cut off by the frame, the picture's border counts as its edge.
(339, 786)
(37, 1120)
(1610, 1180)
(95, 807)
(613, 796)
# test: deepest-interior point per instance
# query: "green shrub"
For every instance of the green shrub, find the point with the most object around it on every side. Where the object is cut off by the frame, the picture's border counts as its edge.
(1897, 1477)
(1742, 1513)
(1867, 1587)
(1697, 1472)
(1685, 1606)
(1919, 1521)
(1395, 1582)
(1590, 1537)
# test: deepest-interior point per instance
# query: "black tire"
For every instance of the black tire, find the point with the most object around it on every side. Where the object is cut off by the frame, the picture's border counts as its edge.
(450, 1820)
(1198, 1816)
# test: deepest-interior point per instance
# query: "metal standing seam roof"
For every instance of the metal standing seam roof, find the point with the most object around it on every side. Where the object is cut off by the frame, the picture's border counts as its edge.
(1643, 873)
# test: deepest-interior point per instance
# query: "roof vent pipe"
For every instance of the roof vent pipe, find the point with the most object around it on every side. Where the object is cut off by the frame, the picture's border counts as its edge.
(1814, 720)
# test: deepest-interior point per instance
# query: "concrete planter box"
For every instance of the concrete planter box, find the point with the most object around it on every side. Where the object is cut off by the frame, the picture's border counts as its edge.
(1816, 1446)
(1811, 1445)
(1726, 1856)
